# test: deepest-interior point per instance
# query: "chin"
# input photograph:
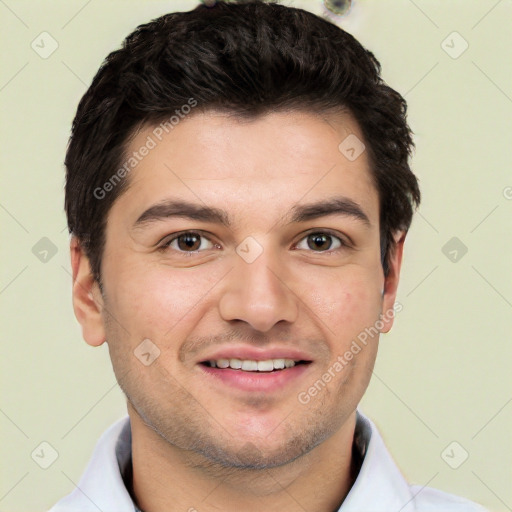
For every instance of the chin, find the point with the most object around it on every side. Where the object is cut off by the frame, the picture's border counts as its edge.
(258, 454)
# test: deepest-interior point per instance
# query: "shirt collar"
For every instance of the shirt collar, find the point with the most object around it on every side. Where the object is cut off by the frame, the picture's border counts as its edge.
(377, 472)
(379, 486)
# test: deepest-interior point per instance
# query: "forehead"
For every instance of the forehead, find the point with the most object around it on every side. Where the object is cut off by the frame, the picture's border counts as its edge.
(254, 166)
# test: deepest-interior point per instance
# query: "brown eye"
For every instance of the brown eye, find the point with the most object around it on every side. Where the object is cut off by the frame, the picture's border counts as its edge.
(320, 242)
(189, 241)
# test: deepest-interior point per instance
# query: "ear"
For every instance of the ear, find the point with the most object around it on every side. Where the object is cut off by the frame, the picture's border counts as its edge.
(391, 282)
(87, 299)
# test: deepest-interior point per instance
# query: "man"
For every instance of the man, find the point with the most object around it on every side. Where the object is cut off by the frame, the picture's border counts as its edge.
(238, 193)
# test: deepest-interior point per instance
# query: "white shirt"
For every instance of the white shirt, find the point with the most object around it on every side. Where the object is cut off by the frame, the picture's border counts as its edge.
(379, 487)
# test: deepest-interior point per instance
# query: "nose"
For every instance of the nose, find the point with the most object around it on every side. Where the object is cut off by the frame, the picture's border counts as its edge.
(258, 294)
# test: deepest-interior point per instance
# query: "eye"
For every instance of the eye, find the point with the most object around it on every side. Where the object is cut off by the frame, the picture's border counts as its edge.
(189, 241)
(321, 242)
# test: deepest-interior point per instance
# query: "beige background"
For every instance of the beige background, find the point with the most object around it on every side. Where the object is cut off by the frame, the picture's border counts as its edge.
(443, 372)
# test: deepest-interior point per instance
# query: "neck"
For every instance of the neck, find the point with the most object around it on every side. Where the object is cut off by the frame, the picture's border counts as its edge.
(166, 478)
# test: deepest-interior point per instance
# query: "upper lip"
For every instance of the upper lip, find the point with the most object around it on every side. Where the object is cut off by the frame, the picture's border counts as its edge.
(256, 354)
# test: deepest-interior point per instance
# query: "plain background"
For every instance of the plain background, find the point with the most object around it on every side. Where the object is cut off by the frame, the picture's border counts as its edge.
(442, 374)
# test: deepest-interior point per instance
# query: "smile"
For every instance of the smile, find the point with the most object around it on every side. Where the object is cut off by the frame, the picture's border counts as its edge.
(267, 375)
(251, 365)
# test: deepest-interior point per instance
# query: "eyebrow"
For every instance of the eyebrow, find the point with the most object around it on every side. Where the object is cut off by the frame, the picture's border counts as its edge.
(299, 213)
(177, 208)
(334, 206)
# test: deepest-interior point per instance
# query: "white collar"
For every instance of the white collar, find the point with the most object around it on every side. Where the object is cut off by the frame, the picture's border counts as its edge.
(379, 487)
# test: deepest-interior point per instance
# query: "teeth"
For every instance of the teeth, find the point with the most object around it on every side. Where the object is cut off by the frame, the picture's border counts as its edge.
(278, 364)
(250, 365)
(265, 366)
(235, 363)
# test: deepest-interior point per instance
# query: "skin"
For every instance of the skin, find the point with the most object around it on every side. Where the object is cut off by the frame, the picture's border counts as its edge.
(198, 442)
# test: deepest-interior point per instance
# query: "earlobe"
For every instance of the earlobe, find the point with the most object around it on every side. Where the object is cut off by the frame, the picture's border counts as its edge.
(391, 282)
(87, 299)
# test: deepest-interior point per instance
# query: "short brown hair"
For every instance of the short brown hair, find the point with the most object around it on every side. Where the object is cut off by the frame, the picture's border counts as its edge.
(249, 58)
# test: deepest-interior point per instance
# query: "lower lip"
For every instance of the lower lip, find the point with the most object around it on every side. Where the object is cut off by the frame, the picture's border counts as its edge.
(256, 381)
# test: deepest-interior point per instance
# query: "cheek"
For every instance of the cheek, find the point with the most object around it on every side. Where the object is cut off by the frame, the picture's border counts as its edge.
(347, 301)
(153, 300)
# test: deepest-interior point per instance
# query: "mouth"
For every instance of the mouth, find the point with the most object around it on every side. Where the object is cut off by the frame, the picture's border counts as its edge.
(253, 365)
(263, 374)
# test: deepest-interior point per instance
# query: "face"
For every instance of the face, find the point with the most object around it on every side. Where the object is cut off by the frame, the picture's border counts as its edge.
(243, 243)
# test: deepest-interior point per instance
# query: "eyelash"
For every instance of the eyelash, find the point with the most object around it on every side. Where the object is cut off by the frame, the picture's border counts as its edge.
(343, 244)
